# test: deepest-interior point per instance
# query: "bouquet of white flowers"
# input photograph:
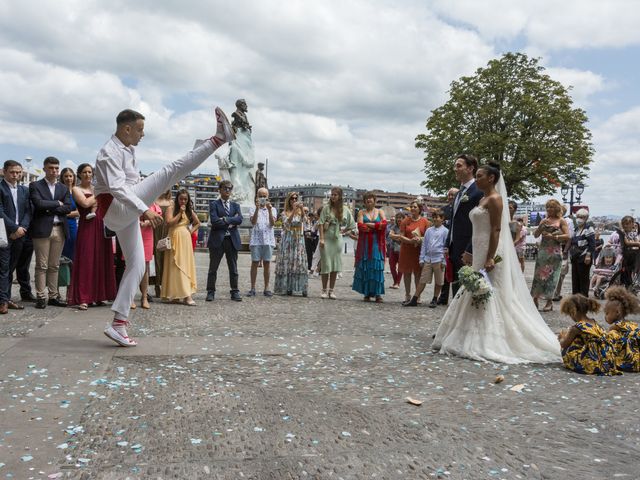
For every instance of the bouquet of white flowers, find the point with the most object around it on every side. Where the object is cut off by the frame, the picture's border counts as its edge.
(477, 283)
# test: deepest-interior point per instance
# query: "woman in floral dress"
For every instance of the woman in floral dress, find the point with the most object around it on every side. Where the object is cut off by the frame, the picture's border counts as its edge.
(555, 232)
(292, 274)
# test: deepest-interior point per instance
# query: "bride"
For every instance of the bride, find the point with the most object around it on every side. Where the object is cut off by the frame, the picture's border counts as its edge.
(507, 328)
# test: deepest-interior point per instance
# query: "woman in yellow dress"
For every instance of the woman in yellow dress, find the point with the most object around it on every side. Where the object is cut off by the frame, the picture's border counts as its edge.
(179, 270)
(586, 347)
(624, 334)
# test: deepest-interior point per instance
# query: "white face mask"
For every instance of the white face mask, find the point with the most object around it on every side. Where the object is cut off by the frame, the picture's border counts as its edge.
(580, 221)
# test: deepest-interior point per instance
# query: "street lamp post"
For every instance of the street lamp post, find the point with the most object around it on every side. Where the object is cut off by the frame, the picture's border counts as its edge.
(566, 189)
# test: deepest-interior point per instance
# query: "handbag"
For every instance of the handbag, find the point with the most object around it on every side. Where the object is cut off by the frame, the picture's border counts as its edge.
(4, 241)
(164, 243)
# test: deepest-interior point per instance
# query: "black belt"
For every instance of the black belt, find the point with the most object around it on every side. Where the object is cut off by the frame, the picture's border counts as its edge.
(57, 224)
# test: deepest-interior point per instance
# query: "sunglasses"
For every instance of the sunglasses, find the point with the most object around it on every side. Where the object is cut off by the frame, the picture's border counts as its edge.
(227, 189)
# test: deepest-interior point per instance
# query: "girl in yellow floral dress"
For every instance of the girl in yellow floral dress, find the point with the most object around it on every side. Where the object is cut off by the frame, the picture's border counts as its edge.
(586, 348)
(625, 335)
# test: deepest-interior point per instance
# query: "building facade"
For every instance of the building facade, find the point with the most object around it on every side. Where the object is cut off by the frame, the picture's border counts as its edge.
(314, 195)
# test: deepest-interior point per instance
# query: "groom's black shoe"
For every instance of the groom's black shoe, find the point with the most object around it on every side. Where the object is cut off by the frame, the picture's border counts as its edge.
(442, 301)
(411, 303)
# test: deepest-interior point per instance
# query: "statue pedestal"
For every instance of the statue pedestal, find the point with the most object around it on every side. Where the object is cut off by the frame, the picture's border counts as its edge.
(245, 227)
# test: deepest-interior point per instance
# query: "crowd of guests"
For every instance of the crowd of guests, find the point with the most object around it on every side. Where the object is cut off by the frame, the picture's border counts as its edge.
(56, 219)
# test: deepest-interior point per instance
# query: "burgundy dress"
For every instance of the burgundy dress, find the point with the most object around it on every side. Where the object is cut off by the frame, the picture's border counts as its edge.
(93, 276)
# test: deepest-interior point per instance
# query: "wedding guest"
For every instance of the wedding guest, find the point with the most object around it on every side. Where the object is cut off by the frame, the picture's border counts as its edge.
(629, 242)
(160, 232)
(16, 210)
(555, 232)
(93, 279)
(586, 347)
(292, 274)
(262, 241)
(443, 299)
(564, 270)
(432, 260)
(179, 272)
(123, 197)
(335, 221)
(412, 230)
(69, 179)
(310, 237)
(49, 230)
(393, 249)
(368, 278)
(147, 232)
(624, 333)
(224, 240)
(315, 260)
(581, 252)
(518, 233)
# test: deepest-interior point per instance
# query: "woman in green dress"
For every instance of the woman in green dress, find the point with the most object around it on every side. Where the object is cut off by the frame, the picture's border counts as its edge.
(335, 221)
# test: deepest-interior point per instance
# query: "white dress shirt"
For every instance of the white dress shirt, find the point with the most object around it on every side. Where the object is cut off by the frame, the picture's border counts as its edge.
(14, 194)
(52, 189)
(116, 172)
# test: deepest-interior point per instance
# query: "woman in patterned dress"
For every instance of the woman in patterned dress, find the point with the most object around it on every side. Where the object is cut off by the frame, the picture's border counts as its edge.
(586, 347)
(554, 232)
(292, 274)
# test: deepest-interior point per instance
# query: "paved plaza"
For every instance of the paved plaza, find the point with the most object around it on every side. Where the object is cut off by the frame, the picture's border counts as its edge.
(294, 388)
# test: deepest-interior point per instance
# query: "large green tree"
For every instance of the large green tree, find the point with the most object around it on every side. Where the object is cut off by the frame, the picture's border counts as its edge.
(514, 113)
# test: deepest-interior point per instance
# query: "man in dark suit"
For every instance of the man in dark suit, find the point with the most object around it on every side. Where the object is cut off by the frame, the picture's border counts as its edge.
(49, 229)
(15, 209)
(460, 229)
(224, 239)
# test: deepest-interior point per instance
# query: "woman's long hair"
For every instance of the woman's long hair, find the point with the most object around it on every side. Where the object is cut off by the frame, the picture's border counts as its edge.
(287, 203)
(64, 171)
(189, 207)
(337, 206)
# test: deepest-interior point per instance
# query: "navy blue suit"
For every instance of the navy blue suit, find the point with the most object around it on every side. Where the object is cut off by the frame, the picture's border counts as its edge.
(224, 240)
(461, 230)
(17, 256)
(45, 208)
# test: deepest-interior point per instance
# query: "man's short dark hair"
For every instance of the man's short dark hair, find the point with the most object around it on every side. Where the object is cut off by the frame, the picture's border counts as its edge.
(51, 161)
(128, 116)
(10, 163)
(225, 183)
(470, 160)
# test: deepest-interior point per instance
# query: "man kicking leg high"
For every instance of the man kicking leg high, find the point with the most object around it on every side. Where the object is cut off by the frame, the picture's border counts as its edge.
(122, 198)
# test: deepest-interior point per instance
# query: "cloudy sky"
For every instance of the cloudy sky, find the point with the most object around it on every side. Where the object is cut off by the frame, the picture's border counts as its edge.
(337, 90)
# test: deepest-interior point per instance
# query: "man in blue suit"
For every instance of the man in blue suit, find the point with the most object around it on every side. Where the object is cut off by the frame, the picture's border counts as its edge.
(460, 229)
(49, 229)
(224, 240)
(15, 209)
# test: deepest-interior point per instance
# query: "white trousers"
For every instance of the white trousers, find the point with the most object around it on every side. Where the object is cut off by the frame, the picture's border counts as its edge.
(125, 222)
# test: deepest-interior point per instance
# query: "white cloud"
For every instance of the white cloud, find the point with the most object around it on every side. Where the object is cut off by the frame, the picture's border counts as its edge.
(550, 24)
(584, 83)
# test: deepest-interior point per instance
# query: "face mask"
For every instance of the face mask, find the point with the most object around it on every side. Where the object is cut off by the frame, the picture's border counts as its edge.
(580, 221)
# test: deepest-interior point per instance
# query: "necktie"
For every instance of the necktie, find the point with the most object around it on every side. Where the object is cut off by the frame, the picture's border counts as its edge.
(226, 208)
(459, 197)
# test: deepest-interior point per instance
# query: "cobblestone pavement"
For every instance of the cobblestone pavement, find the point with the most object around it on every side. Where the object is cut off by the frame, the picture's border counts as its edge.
(299, 388)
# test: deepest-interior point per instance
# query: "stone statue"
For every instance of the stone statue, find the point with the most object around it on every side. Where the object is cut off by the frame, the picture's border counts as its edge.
(239, 165)
(260, 178)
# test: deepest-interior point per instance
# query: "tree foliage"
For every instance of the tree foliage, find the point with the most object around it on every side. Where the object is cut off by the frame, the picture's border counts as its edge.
(512, 112)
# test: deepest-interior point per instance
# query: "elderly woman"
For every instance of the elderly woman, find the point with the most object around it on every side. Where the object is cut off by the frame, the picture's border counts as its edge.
(554, 232)
(582, 252)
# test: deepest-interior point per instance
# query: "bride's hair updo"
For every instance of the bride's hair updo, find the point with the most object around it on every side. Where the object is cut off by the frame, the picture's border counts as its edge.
(492, 168)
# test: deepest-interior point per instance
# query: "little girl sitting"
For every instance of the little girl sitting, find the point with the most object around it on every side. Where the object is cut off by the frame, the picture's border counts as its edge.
(586, 348)
(625, 335)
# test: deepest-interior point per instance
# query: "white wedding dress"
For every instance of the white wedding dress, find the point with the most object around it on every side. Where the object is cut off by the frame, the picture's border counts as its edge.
(507, 328)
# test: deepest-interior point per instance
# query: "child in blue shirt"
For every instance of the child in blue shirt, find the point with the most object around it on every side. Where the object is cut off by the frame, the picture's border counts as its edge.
(432, 260)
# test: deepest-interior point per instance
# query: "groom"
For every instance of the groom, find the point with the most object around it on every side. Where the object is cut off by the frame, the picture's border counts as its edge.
(460, 230)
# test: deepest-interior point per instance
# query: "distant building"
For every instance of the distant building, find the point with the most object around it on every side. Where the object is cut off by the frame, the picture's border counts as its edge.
(202, 188)
(313, 195)
(400, 200)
